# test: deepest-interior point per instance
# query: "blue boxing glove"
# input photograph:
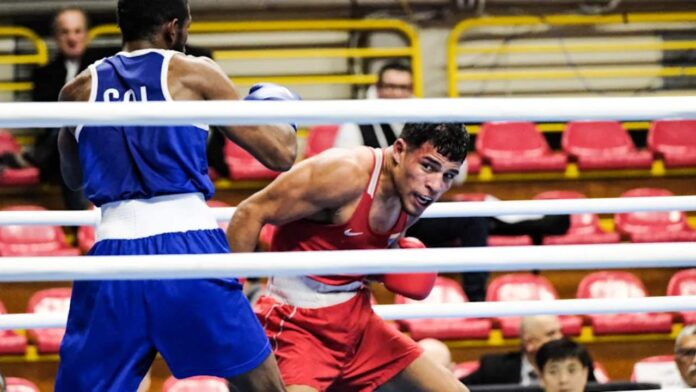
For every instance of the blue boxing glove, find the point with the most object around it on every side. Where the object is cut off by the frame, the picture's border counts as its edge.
(271, 92)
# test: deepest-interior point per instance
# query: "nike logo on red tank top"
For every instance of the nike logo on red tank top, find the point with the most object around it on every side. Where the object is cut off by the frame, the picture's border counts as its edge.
(304, 235)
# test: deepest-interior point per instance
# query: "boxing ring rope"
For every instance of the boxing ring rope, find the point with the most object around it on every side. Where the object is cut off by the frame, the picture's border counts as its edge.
(438, 311)
(437, 210)
(261, 264)
(474, 110)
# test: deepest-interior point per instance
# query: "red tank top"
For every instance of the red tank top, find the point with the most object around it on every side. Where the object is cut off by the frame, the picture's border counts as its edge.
(305, 235)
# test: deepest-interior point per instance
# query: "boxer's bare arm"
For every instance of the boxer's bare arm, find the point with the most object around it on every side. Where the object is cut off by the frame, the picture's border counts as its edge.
(197, 78)
(328, 181)
(76, 90)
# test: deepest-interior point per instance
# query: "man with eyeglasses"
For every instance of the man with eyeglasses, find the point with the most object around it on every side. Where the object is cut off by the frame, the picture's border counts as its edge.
(685, 355)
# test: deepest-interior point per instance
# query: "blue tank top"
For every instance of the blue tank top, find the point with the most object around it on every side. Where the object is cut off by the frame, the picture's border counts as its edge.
(136, 162)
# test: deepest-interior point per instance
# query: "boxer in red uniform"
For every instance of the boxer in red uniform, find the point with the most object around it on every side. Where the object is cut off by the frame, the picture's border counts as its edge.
(322, 328)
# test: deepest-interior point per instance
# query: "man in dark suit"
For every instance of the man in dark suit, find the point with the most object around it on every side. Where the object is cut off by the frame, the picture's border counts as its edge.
(70, 34)
(518, 367)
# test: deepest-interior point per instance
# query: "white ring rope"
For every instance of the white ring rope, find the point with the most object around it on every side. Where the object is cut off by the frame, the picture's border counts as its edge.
(437, 210)
(514, 258)
(475, 110)
(439, 311)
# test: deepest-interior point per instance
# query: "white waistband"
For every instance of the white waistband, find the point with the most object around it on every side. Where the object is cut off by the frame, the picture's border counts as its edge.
(139, 218)
(304, 292)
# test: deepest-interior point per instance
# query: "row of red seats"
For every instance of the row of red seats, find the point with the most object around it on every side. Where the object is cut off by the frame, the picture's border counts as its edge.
(529, 287)
(15, 177)
(192, 384)
(47, 341)
(671, 226)
(520, 147)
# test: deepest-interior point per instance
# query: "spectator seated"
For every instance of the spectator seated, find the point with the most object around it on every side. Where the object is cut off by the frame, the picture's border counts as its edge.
(195, 384)
(12, 173)
(684, 283)
(659, 369)
(11, 343)
(16, 384)
(527, 287)
(600, 373)
(243, 166)
(495, 240)
(445, 291)
(55, 300)
(597, 145)
(33, 240)
(617, 284)
(674, 141)
(654, 226)
(584, 228)
(517, 147)
(320, 138)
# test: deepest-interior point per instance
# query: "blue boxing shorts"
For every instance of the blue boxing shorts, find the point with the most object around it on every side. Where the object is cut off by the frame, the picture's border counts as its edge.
(199, 326)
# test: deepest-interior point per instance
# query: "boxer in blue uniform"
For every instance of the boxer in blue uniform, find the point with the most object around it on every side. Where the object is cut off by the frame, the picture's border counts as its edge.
(151, 184)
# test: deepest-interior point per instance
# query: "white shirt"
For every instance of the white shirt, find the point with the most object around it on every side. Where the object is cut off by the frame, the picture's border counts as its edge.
(527, 373)
(71, 66)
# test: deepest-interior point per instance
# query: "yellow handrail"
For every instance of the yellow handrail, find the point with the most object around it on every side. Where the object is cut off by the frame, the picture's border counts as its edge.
(39, 58)
(412, 51)
(560, 20)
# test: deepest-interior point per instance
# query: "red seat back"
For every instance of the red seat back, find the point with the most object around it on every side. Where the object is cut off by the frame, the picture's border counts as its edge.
(611, 284)
(579, 223)
(8, 143)
(683, 283)
(195, 384)
(672, 136)
(445, 291)
(588, 138)
(520, 287)
(510, 139)
(647, 221)
(243, 165)
(464, 369)
(16, 384)
(320, 138)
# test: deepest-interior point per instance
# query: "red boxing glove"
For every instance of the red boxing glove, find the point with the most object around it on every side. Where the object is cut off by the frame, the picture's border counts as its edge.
(416, 285)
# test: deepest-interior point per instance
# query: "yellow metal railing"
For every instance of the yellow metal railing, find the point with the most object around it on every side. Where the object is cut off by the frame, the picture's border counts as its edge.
(412, 51)
(38, 58)
(577, 72)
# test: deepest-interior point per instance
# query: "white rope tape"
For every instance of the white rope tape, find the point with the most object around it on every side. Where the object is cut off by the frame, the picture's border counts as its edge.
(663, 255)
(441, 311)
(56, 114)
(437, 210)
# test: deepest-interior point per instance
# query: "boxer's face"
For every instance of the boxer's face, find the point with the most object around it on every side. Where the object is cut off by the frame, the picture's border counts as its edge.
(422, 175)
(565, 375)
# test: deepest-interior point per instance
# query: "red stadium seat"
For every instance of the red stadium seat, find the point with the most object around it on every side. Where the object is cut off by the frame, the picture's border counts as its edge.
(464, 369)
(674, 141)
(598, 145)
(320, 138)
(33, 240)
(684, 283)
(86, 237)
(195, 384)
(266, 237)
(49, 301)
(658, 369)
(652, 226)
(11, 176)
(584, 228)
(11, 343)
(473, 163)
(526, 287)
(517, 147)
(445, 291)
(16, 384)
(243, 166)
(618, 284)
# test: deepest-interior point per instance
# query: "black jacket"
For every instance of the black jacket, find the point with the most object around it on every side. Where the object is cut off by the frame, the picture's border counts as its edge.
(501, 369)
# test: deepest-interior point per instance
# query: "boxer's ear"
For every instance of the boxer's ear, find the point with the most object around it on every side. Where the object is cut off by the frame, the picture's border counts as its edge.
(399, 149)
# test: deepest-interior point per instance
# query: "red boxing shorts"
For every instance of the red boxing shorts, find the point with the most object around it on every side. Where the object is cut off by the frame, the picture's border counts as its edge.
(343, 347)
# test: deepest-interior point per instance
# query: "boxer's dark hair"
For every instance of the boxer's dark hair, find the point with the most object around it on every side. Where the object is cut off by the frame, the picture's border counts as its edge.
(449, 139)
(140, 19)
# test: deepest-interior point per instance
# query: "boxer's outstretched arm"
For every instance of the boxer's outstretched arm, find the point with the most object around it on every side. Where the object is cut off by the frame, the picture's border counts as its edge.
(328, 181)
(190, 78)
